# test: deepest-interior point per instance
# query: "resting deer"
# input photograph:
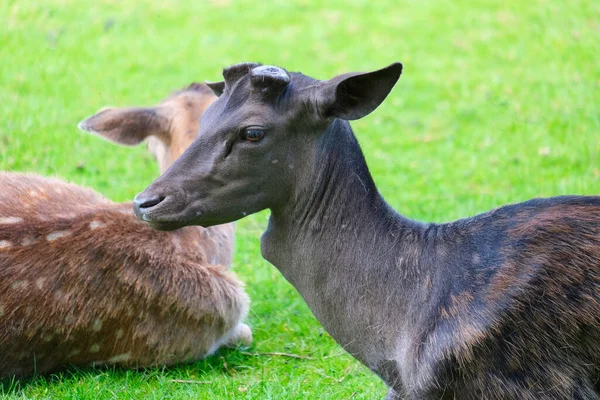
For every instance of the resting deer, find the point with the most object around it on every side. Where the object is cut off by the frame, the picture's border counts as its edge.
(82, 281)
(503, 305)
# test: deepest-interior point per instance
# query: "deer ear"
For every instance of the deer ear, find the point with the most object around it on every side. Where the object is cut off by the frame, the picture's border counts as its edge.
(355, 95)
(216, 87)
(126, 126)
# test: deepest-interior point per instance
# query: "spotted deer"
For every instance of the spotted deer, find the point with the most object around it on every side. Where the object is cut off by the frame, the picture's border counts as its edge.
(502, 305)
(83, 282)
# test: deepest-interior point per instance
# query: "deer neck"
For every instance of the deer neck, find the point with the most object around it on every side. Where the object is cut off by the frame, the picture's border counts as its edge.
(345, 250)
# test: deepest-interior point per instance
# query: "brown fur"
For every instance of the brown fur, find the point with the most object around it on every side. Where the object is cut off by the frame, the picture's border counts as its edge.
(82, 281)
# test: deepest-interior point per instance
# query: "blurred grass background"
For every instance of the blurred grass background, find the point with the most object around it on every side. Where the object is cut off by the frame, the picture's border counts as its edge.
(498, 103)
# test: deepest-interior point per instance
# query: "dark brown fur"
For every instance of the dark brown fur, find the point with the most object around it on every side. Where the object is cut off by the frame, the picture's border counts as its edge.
(503, 305)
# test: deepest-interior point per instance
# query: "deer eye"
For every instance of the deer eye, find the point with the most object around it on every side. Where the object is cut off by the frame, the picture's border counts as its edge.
(253, 134)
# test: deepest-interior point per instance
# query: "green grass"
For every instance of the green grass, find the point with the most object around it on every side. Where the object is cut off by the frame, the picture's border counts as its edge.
(499, 103)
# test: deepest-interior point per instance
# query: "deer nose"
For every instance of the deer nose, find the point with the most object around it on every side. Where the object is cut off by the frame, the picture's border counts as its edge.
(144, 202)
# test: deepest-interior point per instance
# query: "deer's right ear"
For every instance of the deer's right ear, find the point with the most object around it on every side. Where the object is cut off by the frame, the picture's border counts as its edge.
(355, 95)
(216, 87)
(126, 126)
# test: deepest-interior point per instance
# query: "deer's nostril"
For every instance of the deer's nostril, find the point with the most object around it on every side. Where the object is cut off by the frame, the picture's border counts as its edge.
(144, 203)
(147, 202)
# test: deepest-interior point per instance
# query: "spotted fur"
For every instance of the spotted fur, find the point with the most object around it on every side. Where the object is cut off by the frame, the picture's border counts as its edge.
(83, 282)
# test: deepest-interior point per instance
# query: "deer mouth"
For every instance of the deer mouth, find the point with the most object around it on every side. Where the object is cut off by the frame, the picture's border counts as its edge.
(168, 213)
(160, 223)
(161, 212)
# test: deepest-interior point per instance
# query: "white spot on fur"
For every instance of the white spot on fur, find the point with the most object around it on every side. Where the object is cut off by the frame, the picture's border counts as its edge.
(5, 244)
(39, 283)
(274, 161)
(119, 333)
(66, 216)
(97, 325)
(33, 193)
(95, 348)
(56, 235)
(28, 241)
(19, 285)
(10, 220)
(96, 224)
(119, 358)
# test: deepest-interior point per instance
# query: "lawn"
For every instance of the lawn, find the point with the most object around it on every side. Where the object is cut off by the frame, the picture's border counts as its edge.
(499, 102)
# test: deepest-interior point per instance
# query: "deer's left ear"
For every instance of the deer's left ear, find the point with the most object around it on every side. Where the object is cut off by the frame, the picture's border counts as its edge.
(355, 95)
(126, 126)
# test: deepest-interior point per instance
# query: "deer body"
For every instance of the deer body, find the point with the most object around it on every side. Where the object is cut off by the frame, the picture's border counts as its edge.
(451, 309)
(83, 282)
(503, 305)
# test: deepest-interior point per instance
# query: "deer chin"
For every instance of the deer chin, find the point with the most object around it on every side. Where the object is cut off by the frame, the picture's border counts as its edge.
(160, 218)
(166, 226)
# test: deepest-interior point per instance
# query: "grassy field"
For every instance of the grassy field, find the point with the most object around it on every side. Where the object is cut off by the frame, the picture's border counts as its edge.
(499, 103)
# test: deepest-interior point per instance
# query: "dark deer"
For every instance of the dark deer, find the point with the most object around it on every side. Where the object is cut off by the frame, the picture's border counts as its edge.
(503, 305)
(83, 282)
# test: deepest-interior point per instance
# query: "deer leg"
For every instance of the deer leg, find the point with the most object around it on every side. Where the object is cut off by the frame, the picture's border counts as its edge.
(241, 336)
